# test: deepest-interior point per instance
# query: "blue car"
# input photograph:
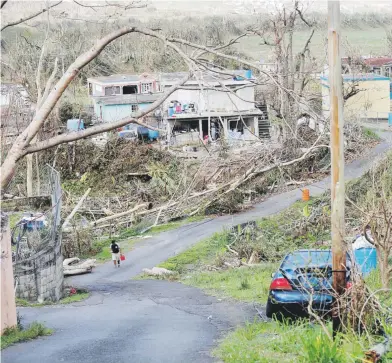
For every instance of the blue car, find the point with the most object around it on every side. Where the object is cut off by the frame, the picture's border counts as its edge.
(303, 276)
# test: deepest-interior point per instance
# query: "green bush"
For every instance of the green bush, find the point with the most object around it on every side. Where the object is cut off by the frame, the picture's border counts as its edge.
(299, 342)
(17, 334)
(318, 348)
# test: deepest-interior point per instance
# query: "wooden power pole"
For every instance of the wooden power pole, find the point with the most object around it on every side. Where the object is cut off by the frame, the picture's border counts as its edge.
(337, 158)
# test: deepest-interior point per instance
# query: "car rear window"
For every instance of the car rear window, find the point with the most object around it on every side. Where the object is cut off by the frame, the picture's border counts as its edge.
(308, 258)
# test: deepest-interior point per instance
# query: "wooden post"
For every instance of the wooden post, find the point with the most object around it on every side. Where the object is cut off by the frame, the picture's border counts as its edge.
(201, 129)
(337, 159)
(225, 128)
(8, 307)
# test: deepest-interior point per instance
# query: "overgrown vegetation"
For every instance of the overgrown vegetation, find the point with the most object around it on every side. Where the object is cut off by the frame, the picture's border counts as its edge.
(19, 334)
(246, 283)
(303, 342)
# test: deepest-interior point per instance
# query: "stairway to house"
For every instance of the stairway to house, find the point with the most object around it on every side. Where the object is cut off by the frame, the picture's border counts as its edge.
(264, 123)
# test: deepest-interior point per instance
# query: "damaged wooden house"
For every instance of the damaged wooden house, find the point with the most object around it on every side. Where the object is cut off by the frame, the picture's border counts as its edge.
(210, 106)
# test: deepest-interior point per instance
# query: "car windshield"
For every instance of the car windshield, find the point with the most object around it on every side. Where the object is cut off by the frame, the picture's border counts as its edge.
(308, 258)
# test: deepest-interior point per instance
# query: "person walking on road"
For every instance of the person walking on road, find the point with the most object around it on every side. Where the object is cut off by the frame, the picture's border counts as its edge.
(116, 253)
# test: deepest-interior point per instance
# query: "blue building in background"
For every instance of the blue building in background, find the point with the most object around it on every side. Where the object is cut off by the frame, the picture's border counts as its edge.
(118, 96)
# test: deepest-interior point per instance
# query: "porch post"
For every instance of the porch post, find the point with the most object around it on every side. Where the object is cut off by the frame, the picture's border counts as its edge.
(201, 129)
(225, 128)
(256, 125)
(169, 132)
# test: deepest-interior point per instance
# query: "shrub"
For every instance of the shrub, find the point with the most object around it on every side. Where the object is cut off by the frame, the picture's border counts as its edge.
(17, 334)
(318, 348)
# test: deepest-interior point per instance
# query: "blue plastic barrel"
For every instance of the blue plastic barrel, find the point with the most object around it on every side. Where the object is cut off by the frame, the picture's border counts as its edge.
(171, 111)
(75, 124)
(248, 74)
(390, 119)
(366, 259)
(153, 134)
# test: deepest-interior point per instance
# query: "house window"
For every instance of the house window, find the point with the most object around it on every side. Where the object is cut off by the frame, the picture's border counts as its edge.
(146, 87)
(98, 88)
(387, 72)
(115, 90)
(377, 70)
(90, 89)
(135, 108)
(130, 89)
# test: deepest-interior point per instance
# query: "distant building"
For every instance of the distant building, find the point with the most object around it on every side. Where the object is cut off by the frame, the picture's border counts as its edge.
(211, 105)
(16, 108)
(372, 101)
(380, 65)
(14, 95)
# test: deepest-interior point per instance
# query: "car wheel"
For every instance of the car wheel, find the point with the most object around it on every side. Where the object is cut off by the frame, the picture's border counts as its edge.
(270, 309)
(273, 311)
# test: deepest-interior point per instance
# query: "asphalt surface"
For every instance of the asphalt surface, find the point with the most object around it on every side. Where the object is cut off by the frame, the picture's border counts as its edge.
(153, 321)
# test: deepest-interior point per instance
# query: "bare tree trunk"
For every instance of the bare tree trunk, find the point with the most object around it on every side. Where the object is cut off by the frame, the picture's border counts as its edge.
(38, 180)
(29, 175)
(385, 270)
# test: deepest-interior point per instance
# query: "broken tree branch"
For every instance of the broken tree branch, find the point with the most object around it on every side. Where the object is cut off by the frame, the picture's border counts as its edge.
(118, 215)
(32, 16)
(77, 206)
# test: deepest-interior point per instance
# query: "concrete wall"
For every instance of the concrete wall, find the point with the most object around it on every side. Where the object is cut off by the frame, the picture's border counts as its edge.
(112, 113)
(8, 308)
(211, 100)
(40, 278)
(373, 100)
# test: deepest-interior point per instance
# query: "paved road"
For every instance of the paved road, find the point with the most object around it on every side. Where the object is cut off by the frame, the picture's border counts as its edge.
(152, 321)
(139, 321)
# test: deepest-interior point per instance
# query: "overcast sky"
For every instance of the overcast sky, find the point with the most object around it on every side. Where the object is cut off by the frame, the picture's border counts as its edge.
(164, 8)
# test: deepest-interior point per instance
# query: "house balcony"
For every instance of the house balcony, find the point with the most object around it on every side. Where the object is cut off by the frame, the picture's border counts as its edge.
(132, 99)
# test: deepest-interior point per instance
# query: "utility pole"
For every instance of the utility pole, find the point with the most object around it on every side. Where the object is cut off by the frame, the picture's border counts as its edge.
(337, 159)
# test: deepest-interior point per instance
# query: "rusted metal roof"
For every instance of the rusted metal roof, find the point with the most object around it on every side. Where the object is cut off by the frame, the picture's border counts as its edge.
(377, 62)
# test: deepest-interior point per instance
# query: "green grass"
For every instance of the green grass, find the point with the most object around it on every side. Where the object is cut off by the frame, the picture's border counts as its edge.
(175, 224)
(200, 253)
(246, 284)
(74, 298)
(270, 342)
(26, 303)
(370, 134)
(79, 296)
(15, 218)
(16, 335)
(373, 280)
